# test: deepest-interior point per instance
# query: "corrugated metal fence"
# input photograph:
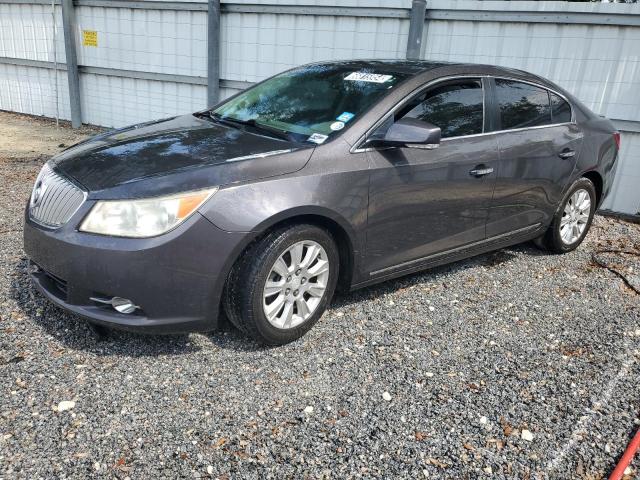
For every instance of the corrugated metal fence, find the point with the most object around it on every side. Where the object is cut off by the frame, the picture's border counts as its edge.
(148, 59)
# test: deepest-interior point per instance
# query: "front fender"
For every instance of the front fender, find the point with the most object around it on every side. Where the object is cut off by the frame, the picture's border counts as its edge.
(255, 207)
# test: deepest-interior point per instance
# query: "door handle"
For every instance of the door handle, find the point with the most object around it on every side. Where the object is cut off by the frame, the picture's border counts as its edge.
(567, 153)
(480, 171)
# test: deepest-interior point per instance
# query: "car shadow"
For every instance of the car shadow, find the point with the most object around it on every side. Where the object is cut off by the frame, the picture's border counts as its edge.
(435, 274)
(76, 333)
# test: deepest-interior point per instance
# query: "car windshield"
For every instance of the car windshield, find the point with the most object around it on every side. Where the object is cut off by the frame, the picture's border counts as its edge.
(310, 103)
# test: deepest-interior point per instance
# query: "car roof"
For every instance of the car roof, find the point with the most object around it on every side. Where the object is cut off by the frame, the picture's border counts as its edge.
(407, 67)
(416, 67)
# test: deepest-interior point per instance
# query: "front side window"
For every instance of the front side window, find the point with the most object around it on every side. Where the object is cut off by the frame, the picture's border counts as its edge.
(311, 103)
(522, 105)
(457, 108)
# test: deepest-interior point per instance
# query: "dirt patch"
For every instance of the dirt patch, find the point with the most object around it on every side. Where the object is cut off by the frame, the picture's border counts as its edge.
(26, 136)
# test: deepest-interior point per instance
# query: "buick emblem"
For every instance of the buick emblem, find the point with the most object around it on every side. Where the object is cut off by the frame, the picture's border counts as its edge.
(38, 193)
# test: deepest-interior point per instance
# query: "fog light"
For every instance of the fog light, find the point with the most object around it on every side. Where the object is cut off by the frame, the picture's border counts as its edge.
(121, 305)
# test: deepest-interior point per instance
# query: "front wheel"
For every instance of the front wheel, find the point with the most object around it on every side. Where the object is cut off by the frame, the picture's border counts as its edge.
(282, 285)
(572, 220)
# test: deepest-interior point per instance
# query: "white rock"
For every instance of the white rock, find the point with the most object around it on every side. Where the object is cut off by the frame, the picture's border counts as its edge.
(483, 420)
(210, 469)
(308, 409)
(488, 470)
(527, 435)
(431, 309)
(66, 405)
(628, 470)
(429, 374)
(386, 396)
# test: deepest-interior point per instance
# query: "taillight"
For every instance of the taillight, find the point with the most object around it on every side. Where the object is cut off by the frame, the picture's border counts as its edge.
(616, 138)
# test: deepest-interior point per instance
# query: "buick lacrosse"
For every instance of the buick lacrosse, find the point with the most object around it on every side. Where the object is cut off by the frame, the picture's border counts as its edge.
(331, 175)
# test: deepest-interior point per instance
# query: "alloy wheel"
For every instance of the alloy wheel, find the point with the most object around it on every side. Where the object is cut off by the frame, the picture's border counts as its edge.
(296, 284)
(575, 216)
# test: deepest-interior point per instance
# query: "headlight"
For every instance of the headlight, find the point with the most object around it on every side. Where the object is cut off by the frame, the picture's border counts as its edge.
(143, 218)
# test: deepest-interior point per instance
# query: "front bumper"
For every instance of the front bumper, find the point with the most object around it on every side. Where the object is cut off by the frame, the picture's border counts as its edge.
(176, 279)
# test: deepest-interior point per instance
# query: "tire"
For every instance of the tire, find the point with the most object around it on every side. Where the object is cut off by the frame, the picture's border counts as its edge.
(245, 301)
(552, 240)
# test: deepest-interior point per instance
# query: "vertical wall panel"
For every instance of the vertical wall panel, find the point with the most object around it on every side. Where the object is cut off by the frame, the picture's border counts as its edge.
(108, 100)
(163, 41)
(26, 31)
(32, 90)
(256, 46)
(625, 196)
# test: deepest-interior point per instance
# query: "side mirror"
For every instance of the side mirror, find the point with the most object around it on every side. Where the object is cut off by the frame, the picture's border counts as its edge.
(411, 132)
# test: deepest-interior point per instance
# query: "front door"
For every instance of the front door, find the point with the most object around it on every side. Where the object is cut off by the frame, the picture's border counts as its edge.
(422, 202)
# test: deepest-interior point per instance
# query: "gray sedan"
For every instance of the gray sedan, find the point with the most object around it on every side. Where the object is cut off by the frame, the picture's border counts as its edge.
(331, 175)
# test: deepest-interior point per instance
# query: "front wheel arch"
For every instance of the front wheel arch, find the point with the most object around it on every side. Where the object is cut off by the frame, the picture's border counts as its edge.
(340, 230)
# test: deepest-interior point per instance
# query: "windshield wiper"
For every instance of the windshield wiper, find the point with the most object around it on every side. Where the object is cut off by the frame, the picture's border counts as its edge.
(274, 132)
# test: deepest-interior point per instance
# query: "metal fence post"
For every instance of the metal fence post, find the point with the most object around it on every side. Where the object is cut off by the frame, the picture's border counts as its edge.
(213, 53)
(69, 27)
(416, 27)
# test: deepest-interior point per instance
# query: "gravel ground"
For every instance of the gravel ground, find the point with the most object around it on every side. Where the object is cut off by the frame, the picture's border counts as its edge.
(514, 364)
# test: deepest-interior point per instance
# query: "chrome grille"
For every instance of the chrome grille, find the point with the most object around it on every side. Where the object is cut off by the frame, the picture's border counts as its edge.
(54, 199)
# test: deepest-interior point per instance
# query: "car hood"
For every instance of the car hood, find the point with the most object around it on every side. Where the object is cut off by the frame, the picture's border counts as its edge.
(177, 154)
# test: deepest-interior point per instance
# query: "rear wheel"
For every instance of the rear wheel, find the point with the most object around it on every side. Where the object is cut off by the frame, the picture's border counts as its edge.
(572, 220)
(280, 287)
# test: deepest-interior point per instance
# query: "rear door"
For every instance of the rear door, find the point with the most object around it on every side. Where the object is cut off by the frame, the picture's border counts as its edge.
(539, 145)
(422, 202)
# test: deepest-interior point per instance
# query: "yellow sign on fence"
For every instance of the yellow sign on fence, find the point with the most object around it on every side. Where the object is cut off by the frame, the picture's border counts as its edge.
(89, 38)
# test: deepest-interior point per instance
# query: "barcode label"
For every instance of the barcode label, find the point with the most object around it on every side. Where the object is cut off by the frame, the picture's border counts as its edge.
(368, 77)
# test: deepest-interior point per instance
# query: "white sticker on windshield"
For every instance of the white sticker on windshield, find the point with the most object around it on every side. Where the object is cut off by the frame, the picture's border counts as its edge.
(317, 138)
(368, 77)
(336, 126)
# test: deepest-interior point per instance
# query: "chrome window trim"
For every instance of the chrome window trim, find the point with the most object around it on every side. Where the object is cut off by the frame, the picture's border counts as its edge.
(356, 147)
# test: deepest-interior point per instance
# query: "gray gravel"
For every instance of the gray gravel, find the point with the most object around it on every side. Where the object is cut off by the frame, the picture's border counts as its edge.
(515, 364)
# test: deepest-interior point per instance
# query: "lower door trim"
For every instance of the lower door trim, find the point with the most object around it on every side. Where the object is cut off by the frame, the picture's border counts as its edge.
(457, 250)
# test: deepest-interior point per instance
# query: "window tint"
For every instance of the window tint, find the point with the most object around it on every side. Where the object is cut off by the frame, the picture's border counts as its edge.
(457, 108)
(560, 109)
(522, 105)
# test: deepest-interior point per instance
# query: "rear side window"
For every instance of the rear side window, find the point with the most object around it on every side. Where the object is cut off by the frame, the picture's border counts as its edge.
(457, 108)
(522, 105)
(560, 109)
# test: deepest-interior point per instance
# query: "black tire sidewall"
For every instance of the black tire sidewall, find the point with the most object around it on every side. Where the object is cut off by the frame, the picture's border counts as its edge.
(556, 240)
(266, 331)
